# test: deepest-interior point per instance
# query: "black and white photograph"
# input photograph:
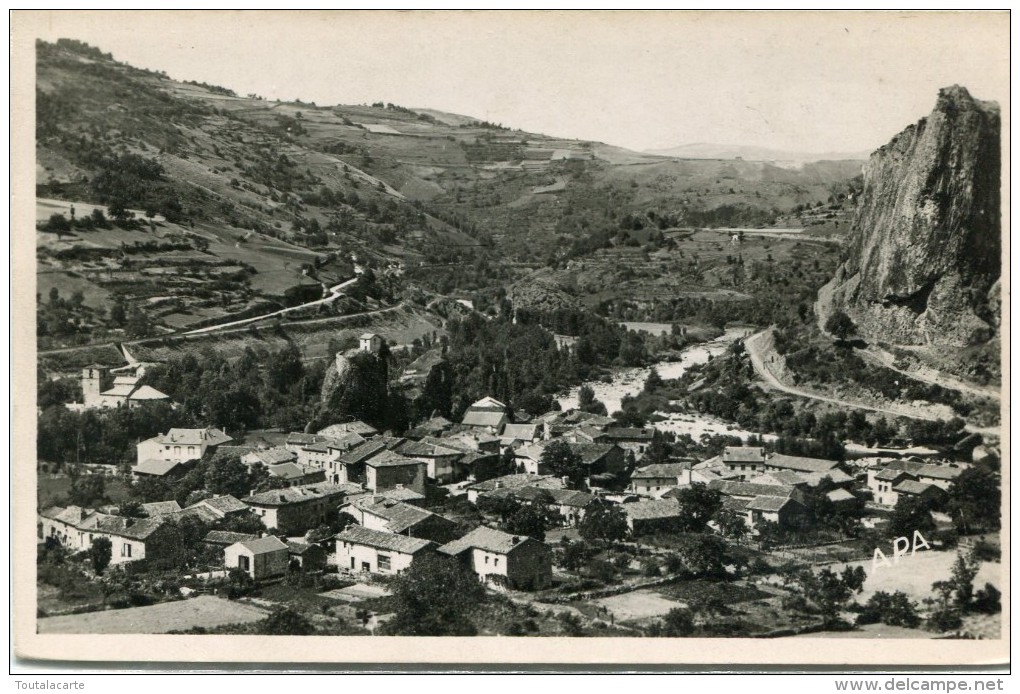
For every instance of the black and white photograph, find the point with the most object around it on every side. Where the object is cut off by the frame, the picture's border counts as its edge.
(619, 336)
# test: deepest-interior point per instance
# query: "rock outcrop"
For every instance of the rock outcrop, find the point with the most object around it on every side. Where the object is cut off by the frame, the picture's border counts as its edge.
(923, 261)
(355, 386)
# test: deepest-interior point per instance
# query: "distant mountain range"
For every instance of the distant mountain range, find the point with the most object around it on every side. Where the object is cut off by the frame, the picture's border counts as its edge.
(707, 150)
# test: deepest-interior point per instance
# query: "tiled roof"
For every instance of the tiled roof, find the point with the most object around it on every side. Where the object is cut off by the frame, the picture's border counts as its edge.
(652, 509)
(730, 503)
(382, 540)
(391, 459)
(913, 487)
(512, 482)
(591, 453)
(779, 477)
(524, 432)
(427, 449)
(157, 508)
(223, 537)
(355, 427)
(571, 497)
(274, 456)
(661, 470)
(372, 447)
(291, 471)
(487, 403)
(156, 467)
(121, 391)
(890, 474)
(799, 464)
(743, 454)
(481, 418)
(749, 489)
(815, 478)
(488, 539)
(264, 545)
(402, 494)
(940, 472)
(629, 433)
(224, 504)
(195, 437)
(297, 438)
(769, 503)
(148, 393)
(837, 495)
(131, 528)
(301, 494)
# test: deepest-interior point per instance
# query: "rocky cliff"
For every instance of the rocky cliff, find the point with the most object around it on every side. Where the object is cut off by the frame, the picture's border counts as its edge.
(923, 261)
(355, 386)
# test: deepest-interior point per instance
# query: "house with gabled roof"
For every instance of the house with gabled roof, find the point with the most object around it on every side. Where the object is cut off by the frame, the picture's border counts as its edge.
(779, 461)
(364, 550)
(161, 469)
(504, 560)
(394, 471)
(651, 515)
(379, 513)
(160, 508)
(747, 461)
(440, 460)
(655, 480)
(222, 506)
(221, 539)
(263, 559)
(488, 413)
(353, 427)
(512, 482)
(269, 456)
(295, 510)
(182, 445)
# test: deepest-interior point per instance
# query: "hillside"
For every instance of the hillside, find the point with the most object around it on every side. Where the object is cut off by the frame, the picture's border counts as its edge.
(195, 205)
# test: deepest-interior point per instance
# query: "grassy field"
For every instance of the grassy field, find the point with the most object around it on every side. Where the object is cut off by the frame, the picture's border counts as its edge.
(203, 611)
(51, 488)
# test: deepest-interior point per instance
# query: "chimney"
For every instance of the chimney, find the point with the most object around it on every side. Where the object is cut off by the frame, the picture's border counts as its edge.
(499, 485)
(565, 480)
(400, 485)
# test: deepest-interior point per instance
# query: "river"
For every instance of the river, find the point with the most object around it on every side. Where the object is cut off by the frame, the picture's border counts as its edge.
(630, 381)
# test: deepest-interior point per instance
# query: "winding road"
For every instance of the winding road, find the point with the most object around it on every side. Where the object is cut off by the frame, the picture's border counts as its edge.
(335, 293)
(756, 352)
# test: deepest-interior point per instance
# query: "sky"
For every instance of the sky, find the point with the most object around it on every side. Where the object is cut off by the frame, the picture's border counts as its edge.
(809, 82)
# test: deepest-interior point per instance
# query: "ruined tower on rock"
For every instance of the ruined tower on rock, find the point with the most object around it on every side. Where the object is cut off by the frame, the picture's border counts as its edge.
(923, 261)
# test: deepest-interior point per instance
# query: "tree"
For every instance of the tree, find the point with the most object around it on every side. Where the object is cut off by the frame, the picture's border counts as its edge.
(698, 504)
(965, 568)
(895, 609)
(910, 514)
(677, 622)
(703, 555)
(531, 520)
(131, 509)
(975, 500)
(841, 326)
(226, 474)
(286, 622)
(653, 382)
(732, 525)
(603, 522)
(100, 554)
(586, 401)
(830, 591)
(561, 460)
(87, 490)
(435, 598)
(576, 555)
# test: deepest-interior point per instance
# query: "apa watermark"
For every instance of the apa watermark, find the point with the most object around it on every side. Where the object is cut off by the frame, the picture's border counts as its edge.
(899, 549)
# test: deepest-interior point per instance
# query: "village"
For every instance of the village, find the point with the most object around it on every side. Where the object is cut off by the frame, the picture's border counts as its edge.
(566, 513)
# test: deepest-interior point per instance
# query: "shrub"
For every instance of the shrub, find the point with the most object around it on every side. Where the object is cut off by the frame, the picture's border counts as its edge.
(894, 609)
(988, 600)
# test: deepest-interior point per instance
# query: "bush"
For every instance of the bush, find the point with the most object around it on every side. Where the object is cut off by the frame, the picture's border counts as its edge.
(894, 609)
(988, 600)
(945, 619)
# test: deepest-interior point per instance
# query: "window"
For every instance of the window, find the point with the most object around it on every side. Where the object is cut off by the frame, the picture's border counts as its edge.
(486, 558)
(243, 564)
(496, 562)
(125, 550)
(177, 450)
(384, 562)
(191, 450)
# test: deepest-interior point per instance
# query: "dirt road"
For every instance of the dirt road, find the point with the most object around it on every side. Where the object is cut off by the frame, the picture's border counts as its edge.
(759, 358)
(335, 292)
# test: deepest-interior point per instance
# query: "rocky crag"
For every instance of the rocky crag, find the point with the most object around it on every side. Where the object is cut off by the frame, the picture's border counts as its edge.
(923, 262)
(355, 386)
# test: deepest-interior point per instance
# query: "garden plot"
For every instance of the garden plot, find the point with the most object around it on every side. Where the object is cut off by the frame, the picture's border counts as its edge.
(204, 611)
(640, 604)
